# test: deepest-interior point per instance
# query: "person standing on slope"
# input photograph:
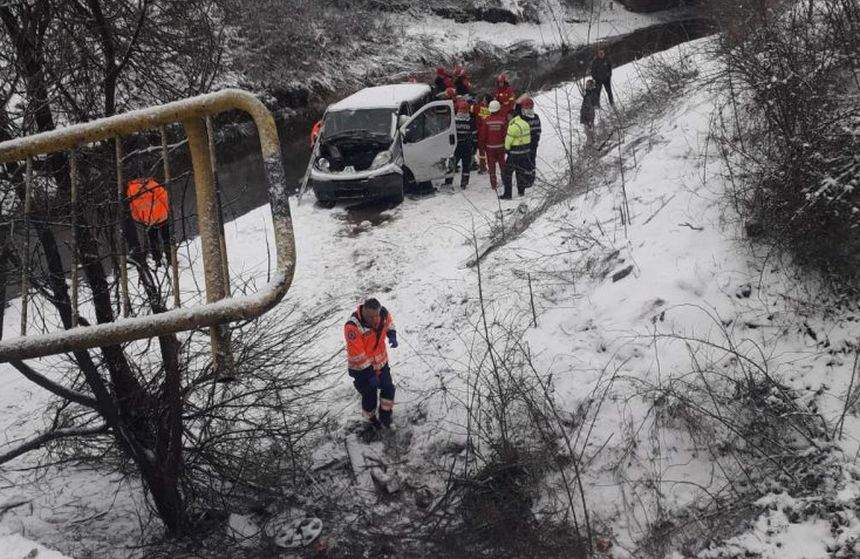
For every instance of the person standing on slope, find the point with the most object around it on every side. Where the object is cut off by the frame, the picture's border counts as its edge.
(601, 73)
(366, 333)
(467, 137)
(483, 112)
(527, 111)
(491, 138)
(518, 156)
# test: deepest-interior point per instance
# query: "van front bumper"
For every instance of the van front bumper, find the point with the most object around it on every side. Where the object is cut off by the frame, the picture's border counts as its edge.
(389, 185)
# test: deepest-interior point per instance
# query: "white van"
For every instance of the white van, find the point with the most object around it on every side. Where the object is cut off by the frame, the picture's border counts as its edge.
(380, 141)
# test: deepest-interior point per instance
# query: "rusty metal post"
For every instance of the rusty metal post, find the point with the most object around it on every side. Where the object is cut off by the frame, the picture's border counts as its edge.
(214, 160)
(123, 249)
(174, 262)
(25, 260)
(210, 243)
(73, 179)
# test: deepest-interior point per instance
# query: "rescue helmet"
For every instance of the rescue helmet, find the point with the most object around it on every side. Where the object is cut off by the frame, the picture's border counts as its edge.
(495, 106)
(450, 93)
(459, 71)
(503, 79)
(526, 102)
(461, 106)
(441, 72)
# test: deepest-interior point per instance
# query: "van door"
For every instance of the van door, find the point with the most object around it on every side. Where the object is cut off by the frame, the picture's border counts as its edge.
(428, 140)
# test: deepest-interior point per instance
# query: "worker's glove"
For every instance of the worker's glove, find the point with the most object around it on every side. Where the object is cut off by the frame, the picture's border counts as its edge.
(392, 338)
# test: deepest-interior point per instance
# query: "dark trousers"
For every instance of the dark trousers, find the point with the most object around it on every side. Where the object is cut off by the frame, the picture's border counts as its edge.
(463, 157)
(521, 165)
(607, 85)
(159, 241)
(372, 386)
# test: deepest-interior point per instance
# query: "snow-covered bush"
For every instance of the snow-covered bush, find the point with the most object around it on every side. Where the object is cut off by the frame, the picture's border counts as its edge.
(790, 127)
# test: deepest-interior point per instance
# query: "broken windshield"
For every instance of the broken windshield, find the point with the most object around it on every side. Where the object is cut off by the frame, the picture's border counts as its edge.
(361, 122)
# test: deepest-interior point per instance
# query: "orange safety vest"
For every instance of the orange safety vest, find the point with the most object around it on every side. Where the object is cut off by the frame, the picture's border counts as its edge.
(366, 346)
(148, 201)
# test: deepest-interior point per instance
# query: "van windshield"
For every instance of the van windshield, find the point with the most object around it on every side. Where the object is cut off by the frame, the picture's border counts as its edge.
(360, 122)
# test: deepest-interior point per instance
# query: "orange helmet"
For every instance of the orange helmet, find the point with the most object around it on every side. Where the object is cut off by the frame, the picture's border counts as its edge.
(440, 71)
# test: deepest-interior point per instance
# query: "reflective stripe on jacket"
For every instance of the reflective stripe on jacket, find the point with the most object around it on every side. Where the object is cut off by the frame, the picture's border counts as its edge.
(366, 346)
(518, 138)
(492, 132)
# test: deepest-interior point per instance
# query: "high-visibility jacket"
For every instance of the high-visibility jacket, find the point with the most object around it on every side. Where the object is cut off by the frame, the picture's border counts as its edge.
(148, 201)
(366, 346)
(491, 134)
(518, 138)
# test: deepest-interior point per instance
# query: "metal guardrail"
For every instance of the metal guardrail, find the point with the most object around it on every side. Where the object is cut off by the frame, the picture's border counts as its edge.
(219, 308)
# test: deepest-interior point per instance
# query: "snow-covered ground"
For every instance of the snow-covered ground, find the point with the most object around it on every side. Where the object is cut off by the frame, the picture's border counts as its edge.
(688, 266)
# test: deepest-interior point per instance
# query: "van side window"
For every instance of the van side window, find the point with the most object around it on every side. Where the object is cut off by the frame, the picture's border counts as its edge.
(429, 123)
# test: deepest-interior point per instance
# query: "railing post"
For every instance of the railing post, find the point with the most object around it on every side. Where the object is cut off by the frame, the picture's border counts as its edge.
(121, 244)
(210, 243)
(73, 195)
(214, 162)
(25, 258)
(174, 262)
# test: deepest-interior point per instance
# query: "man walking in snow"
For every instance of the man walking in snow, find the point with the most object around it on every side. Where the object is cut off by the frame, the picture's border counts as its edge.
(518, 156)
(467, 137)
(601, 73)
(366, 333)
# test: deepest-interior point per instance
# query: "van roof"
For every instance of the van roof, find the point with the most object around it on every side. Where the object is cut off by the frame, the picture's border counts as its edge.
(382, 97)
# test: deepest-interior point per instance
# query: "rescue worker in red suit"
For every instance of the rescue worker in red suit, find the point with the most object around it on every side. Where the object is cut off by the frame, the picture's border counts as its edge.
(366, 333)
(491, 138)
(482, 112)
(505, 94)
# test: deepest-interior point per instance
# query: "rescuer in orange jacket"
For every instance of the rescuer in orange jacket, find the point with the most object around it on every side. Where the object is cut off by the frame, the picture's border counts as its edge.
(150, 207)
(366, 333)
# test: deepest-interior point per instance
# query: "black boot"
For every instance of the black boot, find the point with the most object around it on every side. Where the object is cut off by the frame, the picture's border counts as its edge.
(385, 417)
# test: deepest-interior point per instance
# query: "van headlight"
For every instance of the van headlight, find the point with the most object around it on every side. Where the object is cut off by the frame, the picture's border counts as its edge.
(322, 164)
(382, 158)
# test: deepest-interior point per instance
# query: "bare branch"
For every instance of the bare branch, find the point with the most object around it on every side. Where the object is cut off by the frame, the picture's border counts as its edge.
(54, 387)
(45, 438)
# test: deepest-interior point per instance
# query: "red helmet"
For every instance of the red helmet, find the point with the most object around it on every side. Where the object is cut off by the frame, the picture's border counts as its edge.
(526, 102)
(461, 106)
(450, 93)
(503, 79)
(440, 71)
(459, 71)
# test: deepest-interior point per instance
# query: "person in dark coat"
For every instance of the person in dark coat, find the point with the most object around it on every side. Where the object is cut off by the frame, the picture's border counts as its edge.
(467, 141)
(590, 100)
(601, 72)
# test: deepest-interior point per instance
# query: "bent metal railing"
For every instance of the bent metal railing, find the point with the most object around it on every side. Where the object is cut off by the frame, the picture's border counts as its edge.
(194, 115)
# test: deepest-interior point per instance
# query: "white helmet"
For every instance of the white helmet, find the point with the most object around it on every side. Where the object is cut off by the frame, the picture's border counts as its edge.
(495, 106)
